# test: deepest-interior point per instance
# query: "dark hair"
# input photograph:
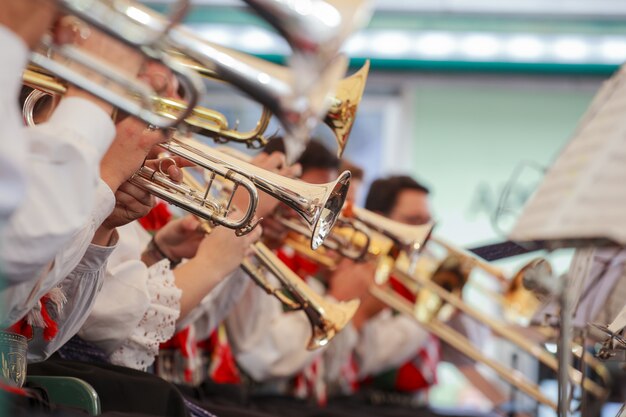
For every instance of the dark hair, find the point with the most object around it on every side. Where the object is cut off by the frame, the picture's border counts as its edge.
(384, 192)
(315, 156)
(356, 171)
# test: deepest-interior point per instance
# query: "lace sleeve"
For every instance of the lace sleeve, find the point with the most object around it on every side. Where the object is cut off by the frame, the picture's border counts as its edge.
(157, 324)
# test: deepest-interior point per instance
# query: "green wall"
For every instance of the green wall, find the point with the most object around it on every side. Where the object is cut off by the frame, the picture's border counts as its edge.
(469, 138)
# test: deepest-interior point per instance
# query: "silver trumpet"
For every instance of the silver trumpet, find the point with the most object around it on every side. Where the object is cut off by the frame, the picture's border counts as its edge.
(105, 81)
(259, 79)
(315, 27)
(319, 205)
(326, 318)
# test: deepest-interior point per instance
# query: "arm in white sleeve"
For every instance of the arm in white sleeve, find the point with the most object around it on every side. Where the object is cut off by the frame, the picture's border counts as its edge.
(80, 288)
(12, 141)
(387, 341)
(214, 308)
(137, 307)
(63, 158)
(267, 342)
(19, 298)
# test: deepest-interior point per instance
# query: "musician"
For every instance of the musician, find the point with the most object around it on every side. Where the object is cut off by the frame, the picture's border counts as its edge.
(63, 192)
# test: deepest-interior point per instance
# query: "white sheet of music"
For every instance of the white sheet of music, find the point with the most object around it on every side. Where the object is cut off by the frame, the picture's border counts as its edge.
(620, 321)
(583, 195)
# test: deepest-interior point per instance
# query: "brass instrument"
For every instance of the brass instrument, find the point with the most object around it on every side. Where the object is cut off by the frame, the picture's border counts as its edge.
(518, 302)
(298, 110)
(210, 123)
(315, 28)
(326, 318)
(319, 205)
(434, 296)
(339, 118)
(120, 90)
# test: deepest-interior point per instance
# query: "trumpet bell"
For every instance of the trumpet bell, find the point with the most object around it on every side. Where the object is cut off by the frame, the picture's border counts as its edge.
(342, 114)
(315, 27)
(326, 318)
(336, 316)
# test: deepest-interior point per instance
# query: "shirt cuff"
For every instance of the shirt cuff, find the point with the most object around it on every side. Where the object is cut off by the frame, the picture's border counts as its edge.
(15, 57)
(95, 257)
(105, 203)
(87, 120)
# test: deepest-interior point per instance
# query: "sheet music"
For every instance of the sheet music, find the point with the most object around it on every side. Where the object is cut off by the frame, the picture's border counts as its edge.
(620, 321)
(583, 196)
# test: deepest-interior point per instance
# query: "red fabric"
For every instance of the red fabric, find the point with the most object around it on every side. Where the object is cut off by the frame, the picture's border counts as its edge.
(22, 327)
(398, 287)
(299, 264)
(50, 330)
(158, 217)
(223, 366)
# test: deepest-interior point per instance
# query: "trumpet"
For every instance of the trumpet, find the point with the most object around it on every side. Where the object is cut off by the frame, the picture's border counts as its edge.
(319, 205)
(120, 90)
(297, 110)
(315, 28)
(326, 318)
(433, 296)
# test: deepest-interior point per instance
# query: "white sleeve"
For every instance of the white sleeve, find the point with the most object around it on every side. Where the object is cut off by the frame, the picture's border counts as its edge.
(267, 342)
(19, 298)
(63, 158)
(12, 141)
(80, 289)
(387, 341)
(214, 308)
(137, 307)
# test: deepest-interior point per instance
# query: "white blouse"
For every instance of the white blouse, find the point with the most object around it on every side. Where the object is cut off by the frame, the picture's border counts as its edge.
(137, 307)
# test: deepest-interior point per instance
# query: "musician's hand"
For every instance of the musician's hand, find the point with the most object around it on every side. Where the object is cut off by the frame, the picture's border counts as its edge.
(223, 251)
(351, 280)
(180, 238)
(28, 19)
(130, 147)
(131, 203)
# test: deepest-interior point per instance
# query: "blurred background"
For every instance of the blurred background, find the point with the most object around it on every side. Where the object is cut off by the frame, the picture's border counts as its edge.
(474, 98)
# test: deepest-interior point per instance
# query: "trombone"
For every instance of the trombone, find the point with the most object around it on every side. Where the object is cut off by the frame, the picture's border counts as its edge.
(433, 296)
(326, 318)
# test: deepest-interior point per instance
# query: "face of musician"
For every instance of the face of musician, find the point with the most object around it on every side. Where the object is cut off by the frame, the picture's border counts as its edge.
(411, 207)
(319, 175)
(400, 198)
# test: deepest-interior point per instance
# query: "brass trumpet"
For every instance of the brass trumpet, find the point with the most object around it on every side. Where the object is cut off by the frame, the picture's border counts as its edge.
(319, 205)
(326, 318)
